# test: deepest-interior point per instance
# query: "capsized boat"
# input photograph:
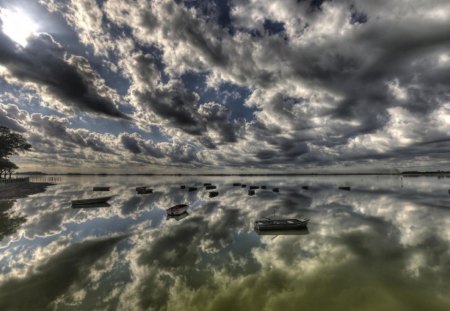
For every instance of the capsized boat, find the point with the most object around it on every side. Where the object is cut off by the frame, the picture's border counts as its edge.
(92, 201)
(281, 224)
(177, 209)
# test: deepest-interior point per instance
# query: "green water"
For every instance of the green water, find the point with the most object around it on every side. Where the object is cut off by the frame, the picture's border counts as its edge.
(384, 245)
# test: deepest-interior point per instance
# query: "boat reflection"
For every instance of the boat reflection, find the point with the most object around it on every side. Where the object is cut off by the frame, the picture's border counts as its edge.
(304, 231)
(89, 206)
(178, 217)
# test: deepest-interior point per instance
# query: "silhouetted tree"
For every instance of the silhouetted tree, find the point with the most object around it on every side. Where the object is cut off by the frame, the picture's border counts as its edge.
(10, 143)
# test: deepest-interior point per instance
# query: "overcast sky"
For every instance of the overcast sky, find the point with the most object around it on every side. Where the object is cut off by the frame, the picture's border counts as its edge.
(227, 86)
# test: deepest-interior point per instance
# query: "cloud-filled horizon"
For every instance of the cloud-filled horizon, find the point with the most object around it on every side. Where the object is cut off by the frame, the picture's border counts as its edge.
(237, 85)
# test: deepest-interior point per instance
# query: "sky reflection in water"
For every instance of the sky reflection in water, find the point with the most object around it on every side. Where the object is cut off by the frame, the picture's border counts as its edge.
(382, 246)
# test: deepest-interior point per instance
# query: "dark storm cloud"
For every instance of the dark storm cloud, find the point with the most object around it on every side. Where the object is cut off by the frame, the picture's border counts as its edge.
(43, 62)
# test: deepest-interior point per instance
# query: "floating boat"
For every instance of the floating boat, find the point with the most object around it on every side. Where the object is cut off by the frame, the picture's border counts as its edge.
(192, 189)
(210, 187)
(91, 201)
(177, 209)
(251, 192)
(144, 190)
(263, 187)
(345, 188)
(281, 224)
(213, 194)
(101, 188)
(236, 184)
(305, 187)
(207, 184)
(243, 186)
(253, 187)
(276, 189)
(182, 187)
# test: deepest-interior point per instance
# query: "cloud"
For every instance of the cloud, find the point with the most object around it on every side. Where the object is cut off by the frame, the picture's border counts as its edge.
(70, 80)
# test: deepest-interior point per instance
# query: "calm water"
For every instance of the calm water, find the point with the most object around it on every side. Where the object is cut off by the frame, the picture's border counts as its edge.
(382, 246)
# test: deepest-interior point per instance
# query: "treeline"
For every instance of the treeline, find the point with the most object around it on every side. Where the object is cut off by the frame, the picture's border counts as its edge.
(11, 143)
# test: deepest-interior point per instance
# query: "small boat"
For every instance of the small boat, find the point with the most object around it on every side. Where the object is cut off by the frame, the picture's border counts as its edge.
(177, 209)
(305, 187)
(345, 188)
(92, 201)
(276, 189)
(251, 192)
(101, 188)
(192, 189)
(210, 187)
(213, 194)
(236, 184)
(182, 187)
(207, 184)
(144, 190)
(281, 224)
(263, 187)
(253, 187)
(243, 186)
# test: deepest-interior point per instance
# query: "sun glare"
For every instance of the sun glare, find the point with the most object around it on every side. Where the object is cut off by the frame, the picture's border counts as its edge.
(17, 25)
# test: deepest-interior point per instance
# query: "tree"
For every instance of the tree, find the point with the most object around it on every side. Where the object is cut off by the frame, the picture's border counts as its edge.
(11, 143)
(7, 168)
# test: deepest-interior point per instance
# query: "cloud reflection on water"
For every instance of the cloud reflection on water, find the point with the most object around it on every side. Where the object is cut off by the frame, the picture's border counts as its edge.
(379, 246)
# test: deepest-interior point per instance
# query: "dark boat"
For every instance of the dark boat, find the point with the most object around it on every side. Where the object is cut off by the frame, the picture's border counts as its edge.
(144, 190)
(92, 201)
(281, 224)
(345, 188)
(182, 187)
(253, 187)
(192, 189)
(305, 187)
(177, 210)
(243, 186)
(210, 187)
(213, 194)
(207, 184)
(236, 184)
(251, 192)
(276, 189)
(263, 187)
(101, 188)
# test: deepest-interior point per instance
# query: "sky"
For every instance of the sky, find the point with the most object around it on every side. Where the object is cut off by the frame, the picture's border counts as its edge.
(237, 86)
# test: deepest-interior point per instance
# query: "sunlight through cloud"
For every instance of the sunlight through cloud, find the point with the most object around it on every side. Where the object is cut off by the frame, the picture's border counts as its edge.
(17, 25)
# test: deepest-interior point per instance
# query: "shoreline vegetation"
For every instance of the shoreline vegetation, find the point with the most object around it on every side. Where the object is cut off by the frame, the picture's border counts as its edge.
(12, 191)
(406, 173)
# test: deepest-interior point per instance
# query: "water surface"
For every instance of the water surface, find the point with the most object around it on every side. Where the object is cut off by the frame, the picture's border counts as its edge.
(384, 245)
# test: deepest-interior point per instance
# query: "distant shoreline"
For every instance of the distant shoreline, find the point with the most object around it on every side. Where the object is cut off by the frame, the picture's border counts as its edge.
(407, 173)
(12, 191)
